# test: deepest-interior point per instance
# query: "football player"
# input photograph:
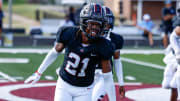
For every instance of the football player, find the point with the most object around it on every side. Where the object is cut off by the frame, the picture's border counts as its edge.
(175, 44)
(169, 79)
(84, 47)
(117, 40)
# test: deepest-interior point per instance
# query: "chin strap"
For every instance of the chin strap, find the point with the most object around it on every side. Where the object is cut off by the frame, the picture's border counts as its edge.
(108, 34)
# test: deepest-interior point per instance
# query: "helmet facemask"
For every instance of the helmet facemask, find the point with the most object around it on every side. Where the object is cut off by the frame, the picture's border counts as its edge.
(93, 29)
(91, 16)
(109, 20)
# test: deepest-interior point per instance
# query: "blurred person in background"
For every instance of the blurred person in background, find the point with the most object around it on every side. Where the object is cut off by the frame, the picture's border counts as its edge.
(77, 14)
(72, 14)
(168, 12)
(66, 22)
(145, 27)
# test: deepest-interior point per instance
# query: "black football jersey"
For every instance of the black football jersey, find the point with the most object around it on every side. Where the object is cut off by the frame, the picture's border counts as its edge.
(117, 41)
(79, 61)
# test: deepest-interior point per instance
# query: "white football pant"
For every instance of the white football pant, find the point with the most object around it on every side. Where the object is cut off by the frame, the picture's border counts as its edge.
(169, 76)
(169, 80)
(67, 92)
(178, 81)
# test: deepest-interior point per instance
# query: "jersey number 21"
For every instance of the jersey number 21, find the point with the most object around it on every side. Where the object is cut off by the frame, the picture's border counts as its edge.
(75, 65)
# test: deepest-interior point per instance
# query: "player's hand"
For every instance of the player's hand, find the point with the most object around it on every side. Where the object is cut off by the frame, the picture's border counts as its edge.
(33, 78)
(122, 91)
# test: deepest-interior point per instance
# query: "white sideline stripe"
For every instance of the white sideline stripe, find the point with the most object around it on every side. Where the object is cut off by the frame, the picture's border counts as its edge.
(141, 51)
(3, 81)
(142, 63)
(130, 83)
(14, 60)
(23, 50)
(18, 78)
(7, 77)
(41, 51)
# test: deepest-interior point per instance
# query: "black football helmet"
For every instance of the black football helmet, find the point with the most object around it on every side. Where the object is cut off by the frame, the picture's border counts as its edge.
(92, 12)
(109, 18)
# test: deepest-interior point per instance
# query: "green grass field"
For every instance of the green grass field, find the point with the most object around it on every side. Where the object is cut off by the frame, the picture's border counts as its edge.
(144, 74)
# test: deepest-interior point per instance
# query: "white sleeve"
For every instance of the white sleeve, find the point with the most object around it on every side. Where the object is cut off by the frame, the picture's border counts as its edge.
(168, 49)
(109, 86)
(119, 71)
(175, 42)
(49, 59)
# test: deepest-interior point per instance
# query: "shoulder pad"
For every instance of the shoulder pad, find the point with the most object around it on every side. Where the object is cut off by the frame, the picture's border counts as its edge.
(117, 40)
(65, 34)
(105, 49)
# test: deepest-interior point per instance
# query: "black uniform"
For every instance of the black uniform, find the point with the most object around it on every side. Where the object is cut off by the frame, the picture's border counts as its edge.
(79, 61)
(167, 25)
(117, 41)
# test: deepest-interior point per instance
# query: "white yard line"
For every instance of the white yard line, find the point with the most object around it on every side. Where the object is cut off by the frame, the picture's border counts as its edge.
(15, 77)
(128, 77)
(23, 50)
(142, 51)
(142, 63)
(130, 83)
(3, 81)
(7, 77)
(14, 60)
(41, 51)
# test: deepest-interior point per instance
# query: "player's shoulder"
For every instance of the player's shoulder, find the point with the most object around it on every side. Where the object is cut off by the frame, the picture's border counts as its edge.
(105, 48)
(67, 30)
(66, 33)
(104, 41)
(115, 36)
(117, 40)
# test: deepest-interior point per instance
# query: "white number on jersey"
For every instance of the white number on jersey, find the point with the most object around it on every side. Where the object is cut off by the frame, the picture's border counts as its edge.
(75, 65)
